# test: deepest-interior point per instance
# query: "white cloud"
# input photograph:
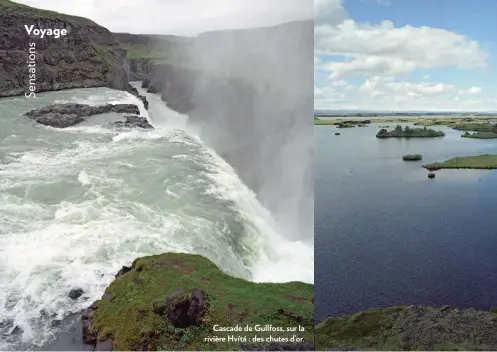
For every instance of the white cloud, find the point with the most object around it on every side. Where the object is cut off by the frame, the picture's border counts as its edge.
(387, 50)
(185, 17)
(426, 77)
(474, 90)
(330, 12)
(386, 93)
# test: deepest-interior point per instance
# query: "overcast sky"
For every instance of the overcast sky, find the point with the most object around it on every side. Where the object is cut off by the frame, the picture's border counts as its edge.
(180, 17)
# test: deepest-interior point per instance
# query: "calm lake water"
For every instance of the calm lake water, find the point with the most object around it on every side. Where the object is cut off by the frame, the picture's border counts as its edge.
(387, 235)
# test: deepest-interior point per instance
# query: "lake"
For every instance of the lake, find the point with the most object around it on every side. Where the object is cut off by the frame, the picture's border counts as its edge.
(386, 235)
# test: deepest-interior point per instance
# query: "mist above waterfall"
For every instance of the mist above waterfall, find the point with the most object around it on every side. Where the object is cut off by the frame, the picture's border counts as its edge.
(253, 103)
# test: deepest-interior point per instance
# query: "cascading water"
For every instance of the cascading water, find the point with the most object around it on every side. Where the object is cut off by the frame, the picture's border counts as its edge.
(77, 204)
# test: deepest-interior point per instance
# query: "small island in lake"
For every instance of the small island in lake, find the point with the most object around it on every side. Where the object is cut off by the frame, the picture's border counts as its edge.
(486, 161)
(409, 132)
(412, 157)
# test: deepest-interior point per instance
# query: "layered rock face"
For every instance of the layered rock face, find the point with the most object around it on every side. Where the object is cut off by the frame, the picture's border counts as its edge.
(250, 92)
(88, 56)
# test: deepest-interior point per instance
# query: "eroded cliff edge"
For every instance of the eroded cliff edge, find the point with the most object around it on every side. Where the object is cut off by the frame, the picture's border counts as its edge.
(88, 56)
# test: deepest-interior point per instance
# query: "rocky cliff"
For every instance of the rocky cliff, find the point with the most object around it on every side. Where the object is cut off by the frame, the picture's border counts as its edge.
(88, 56)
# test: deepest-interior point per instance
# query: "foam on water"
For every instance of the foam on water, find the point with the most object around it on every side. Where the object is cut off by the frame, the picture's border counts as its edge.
(74, 211)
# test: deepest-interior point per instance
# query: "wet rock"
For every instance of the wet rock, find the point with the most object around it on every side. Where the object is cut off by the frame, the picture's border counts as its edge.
(108, 297)
(76, 293)
(145, 83)
(133, 122)
(59, 120)
(105, 345)
(153, 88)
(122, 271)
(55, 323)
(66, 115)
(144, 100)
(89, 335)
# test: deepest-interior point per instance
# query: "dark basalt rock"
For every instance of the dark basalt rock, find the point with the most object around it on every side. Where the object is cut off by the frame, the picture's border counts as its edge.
(145, 83)
(65, 115)
(108, 297)
(59, 120)
(134, 121)
(76, 293)
(89, 335)
(196, 310)
(105, 345)
(88, 56)
(184, 310)
(153, 88)
(178, 304)
(125, 269)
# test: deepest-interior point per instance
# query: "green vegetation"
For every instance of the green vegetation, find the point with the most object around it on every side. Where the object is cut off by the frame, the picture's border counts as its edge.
(480, 135)
(416, 120)
(142, 51)
(412, 157)
(486, 161)
(132, 321)
(345, 125)
(409, 133)
(431, 175)
(477, 127)
(13, 8)
(409, 328)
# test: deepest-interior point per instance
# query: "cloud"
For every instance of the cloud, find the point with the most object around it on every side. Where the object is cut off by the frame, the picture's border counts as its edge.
(387, 50)
(474, 90)
(186, 17)
(387, 93)
(330, 12)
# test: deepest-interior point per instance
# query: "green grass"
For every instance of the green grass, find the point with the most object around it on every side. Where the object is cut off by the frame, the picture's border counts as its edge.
(480, 135)
(364, 330)
(487, 161)
(477, 127)
(130, 319)
(412, 157)
(14, 8)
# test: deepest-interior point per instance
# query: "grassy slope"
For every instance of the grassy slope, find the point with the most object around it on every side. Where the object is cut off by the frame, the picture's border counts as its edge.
(129, 319)
(486, 161)
(393, 329)
(14, 8)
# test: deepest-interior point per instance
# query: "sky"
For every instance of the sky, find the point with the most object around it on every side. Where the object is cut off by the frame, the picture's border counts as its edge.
(180, 17)
(438, 55)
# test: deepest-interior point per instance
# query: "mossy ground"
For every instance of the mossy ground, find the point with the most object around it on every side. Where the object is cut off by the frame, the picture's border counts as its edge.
(130, 320)
(486, 161)
(407, 328)
(14, 8)
(364, 330)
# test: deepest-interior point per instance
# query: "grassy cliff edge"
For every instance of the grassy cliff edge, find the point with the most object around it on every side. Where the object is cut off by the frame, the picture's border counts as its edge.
(131, 312)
